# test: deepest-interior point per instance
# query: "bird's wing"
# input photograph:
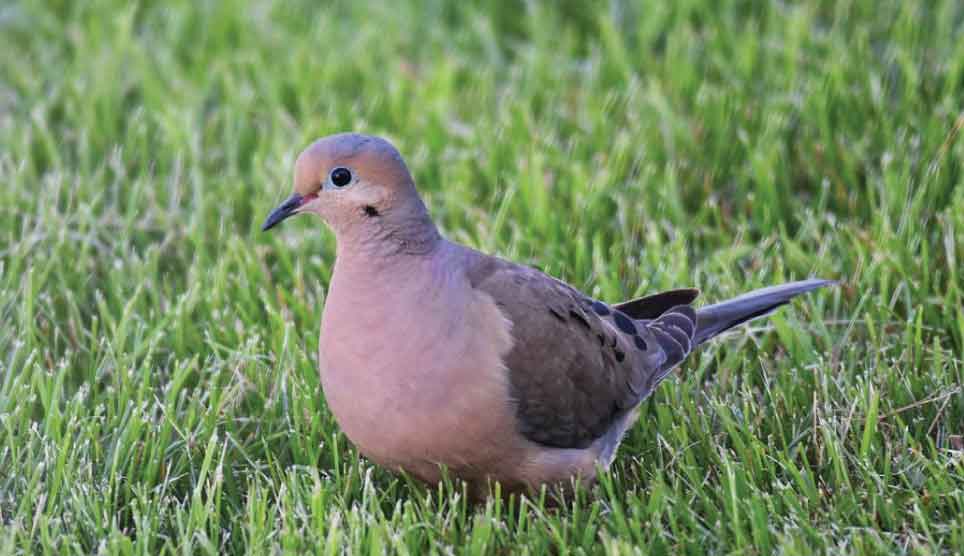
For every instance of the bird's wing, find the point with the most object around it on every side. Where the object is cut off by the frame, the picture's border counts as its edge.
(576, 365)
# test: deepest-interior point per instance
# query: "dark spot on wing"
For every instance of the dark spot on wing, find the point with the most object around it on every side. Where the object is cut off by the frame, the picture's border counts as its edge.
(557, 314)
(600, 308)
(624, 323)
(640, 343)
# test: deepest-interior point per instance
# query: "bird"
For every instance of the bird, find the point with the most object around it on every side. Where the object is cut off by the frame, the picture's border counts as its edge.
(438, 360)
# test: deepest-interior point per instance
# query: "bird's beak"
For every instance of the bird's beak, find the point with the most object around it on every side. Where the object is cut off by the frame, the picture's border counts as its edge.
(288, 208)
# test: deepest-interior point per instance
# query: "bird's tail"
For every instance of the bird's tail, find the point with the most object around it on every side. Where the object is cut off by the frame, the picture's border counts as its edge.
(715, 319)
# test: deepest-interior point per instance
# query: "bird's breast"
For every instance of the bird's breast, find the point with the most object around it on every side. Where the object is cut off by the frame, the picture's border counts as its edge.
(416, 379)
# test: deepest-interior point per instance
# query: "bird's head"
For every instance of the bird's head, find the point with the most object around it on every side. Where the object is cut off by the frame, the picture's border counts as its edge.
(356, 183)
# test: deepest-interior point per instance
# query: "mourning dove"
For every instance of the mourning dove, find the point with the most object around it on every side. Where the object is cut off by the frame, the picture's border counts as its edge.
(435, 356)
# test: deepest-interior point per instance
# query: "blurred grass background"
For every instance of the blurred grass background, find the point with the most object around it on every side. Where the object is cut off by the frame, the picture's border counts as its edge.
(158, 383)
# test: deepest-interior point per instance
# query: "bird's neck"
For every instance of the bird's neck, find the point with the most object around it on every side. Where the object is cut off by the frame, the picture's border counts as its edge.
(387, 240)
(363, 283)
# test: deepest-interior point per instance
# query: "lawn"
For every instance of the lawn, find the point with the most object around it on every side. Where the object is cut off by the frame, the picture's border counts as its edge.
(158, 382)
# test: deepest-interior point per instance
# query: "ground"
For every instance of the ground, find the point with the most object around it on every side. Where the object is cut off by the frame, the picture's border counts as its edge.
(158, 384)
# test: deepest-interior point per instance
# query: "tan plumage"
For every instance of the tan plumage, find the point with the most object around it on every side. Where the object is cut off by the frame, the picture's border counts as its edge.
(433, 354)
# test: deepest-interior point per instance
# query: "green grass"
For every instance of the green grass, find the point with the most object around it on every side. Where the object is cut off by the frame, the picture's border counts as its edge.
(158, 385)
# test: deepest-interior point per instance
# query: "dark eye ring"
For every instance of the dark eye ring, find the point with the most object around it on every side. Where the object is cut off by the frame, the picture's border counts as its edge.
(340, 177)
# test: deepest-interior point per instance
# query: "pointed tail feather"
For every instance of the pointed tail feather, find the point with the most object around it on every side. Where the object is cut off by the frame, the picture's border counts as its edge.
(714, 319)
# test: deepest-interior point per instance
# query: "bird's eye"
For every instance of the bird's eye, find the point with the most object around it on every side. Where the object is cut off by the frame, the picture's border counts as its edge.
(340, 177)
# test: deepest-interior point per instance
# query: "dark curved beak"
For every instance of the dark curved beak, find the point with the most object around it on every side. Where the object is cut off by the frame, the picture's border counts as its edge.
(284, 210)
